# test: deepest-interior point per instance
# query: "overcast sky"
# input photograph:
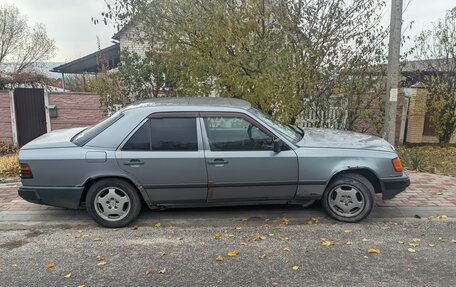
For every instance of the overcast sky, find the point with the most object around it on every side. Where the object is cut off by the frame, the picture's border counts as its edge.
(68, 22)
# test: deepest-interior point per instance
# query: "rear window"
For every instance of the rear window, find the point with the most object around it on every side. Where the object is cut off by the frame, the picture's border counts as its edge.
(90, 133)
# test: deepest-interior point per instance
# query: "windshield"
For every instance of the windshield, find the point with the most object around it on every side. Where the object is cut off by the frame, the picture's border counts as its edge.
(88, 134)
(284, 130)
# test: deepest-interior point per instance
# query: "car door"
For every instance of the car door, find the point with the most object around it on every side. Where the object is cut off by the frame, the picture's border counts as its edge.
(165, 154)
(241, 163)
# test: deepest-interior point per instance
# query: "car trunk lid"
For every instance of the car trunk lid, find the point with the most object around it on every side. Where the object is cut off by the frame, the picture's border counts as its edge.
(55, 139)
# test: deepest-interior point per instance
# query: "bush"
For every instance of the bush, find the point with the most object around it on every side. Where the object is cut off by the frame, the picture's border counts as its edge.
(7, 149)
(429, 158)
(9, 165)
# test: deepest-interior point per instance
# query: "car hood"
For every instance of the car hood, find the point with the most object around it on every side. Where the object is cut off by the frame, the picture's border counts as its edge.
(329, 138)
(54, 139)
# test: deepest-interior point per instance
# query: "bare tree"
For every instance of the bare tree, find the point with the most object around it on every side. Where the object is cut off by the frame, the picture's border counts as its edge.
(12, 30)
(20, 44)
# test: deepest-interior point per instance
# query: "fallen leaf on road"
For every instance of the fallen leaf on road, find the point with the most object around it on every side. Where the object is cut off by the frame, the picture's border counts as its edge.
(327, 243)
(162, 271)
(238, 228)
(373, 251)
(416, 239)
(295, 267)
(349, 243)
(347, 230)
(244, 219)
(158, 225)
(180, 238)
(285, 221)
(100, 258)
(219, 258)
(98, 239)
(83, 285)
(67, 275)
(283, 238)
(228, 235)
(286, 249)
(313, 220)
(442, 217)
(262, 256)
(232, 253)
(431, 244)
(217, 235)
(400, 242)
(411, 250)
(365, 240)
(259, 238)
(14, 265)
(101, 263)
(453, 240)
(441, 239)
(414, 244)
(275, 284)
(50, 265)
(366, 256)
(148, 271)
(162, 253)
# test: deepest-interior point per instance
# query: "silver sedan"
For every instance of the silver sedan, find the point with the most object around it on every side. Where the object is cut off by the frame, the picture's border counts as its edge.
(182, 152)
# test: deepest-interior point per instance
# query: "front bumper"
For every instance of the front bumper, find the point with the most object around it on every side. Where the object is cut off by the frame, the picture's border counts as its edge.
(393, 186)
(67, 197)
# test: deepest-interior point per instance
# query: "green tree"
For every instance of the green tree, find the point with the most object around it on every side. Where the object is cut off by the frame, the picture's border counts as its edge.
(437, 48)
(286, 57)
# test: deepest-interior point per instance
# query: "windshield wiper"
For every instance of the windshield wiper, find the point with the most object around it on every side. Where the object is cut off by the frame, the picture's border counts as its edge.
(296, 129)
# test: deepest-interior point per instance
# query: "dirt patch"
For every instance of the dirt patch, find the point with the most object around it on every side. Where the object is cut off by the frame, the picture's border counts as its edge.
(33, 233)
(10, 245)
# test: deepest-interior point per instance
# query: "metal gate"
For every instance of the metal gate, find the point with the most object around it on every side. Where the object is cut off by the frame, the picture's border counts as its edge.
(30, 114)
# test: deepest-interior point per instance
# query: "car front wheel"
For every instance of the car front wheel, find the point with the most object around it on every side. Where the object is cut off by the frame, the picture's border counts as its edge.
(113, 203)
(349, 198)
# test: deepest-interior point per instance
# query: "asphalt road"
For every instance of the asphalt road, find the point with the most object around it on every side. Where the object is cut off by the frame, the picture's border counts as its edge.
(266, 254)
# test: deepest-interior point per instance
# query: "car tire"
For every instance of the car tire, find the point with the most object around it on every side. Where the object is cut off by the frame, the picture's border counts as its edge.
(113, 202)
(349, 197)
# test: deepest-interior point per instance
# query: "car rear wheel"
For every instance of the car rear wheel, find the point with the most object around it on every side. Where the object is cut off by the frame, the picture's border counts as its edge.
(113, 203)
(349, 198)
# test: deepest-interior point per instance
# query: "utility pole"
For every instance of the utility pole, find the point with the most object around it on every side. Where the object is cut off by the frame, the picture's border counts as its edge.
(392, 73)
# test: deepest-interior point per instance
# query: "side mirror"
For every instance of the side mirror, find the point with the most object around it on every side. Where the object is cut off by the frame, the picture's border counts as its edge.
(278, 144)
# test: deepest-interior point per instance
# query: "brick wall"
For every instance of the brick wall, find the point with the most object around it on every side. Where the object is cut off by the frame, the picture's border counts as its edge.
(416, 119)
(75, 110)
(129, 40)
(6, 133)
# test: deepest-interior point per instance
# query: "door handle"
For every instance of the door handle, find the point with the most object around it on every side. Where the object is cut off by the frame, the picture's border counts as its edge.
(218, 161)
(133, 162)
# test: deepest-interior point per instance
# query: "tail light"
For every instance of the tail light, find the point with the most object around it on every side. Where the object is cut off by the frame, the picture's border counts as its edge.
(25, 171)
(397, 164)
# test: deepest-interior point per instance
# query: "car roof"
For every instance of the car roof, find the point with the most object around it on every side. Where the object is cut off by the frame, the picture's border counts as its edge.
(190, 102)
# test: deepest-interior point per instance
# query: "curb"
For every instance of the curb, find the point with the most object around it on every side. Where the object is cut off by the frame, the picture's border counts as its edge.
(210, 217)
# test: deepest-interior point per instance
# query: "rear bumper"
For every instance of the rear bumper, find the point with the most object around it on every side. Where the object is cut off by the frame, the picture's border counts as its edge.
(393, 186)
(67, 197)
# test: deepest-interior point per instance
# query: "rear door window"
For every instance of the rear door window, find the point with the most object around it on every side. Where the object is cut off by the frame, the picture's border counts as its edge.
(174, 134)
(165, 134)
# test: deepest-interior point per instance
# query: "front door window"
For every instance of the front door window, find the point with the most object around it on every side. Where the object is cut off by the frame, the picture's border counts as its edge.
(236, 134)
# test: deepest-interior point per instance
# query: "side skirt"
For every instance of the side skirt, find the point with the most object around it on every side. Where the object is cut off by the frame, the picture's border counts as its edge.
(226, 203)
